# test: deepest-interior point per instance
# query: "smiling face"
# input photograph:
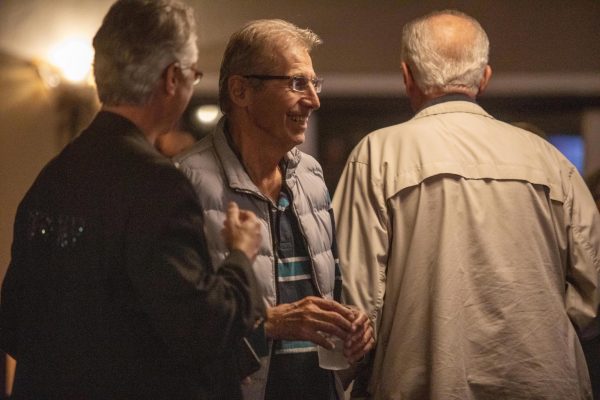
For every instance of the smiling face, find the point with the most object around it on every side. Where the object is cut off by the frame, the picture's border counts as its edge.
(279, 113)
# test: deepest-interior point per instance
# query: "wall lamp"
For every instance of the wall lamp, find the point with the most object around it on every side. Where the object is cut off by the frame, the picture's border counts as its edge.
(67, 73)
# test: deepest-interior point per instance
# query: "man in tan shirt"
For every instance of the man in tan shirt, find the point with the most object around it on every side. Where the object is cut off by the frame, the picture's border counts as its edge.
(473, 245)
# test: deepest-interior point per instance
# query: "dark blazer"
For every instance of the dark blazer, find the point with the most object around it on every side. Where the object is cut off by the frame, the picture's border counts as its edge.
(110, 293)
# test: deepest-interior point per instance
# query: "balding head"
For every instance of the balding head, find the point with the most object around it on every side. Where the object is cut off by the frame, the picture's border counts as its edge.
(446, 52)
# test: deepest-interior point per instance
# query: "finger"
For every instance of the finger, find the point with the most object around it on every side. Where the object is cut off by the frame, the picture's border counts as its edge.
(357, 355)
(309, 320)
(233, 211)
(328, 328)
(355, 336)
(354, 339)
(360, 321)
(324, 310)
(332, 305)
(358, 344)
(361, 347)
(320, 339)
(334, 320)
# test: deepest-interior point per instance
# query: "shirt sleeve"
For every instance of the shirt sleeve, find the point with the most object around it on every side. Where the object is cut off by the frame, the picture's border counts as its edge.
(362, 235)
(583, 264)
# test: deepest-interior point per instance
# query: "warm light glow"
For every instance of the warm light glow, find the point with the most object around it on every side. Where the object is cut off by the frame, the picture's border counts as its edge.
(50, 75)
(208, 114)
(74, 59)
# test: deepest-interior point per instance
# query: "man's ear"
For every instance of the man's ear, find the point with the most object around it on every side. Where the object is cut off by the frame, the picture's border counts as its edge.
(409, 80)
(415, 96)
(487, 75)
(238, 90)
(172, 78)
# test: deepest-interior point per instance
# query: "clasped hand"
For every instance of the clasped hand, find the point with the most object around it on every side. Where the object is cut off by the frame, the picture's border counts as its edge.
(311, 317)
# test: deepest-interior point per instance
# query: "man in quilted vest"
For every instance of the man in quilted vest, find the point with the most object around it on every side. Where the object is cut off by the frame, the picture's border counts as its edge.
(268, 90)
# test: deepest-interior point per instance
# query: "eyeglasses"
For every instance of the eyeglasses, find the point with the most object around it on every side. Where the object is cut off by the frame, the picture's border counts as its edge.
(197, 73)
(297, 83)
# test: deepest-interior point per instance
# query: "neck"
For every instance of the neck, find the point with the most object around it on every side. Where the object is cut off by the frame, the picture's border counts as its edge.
(149, 121)
(260, 158)
(423, 100)
(448, 97)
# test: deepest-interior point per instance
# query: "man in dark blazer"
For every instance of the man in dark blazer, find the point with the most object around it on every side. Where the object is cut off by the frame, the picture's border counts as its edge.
(110, 293)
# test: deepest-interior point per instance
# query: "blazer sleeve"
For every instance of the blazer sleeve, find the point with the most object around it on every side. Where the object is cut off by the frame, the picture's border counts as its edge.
(198, 309)
(11, 292)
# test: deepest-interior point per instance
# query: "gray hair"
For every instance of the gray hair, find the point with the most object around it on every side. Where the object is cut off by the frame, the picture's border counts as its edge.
(251, 50)
(138, 39)
(444, 65)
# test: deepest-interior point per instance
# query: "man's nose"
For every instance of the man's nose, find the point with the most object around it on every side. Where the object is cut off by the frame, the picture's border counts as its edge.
(311, 98)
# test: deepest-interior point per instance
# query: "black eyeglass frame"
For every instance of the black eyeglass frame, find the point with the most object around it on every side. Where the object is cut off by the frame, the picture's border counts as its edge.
(298, 83)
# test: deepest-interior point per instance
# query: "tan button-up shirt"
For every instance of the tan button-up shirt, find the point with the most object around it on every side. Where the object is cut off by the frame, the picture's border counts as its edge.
(474, 246)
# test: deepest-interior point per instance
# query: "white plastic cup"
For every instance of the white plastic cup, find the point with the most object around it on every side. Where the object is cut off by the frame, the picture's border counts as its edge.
(333, 359)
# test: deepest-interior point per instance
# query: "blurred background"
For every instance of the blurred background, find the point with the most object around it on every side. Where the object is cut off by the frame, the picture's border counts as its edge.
(545, 55)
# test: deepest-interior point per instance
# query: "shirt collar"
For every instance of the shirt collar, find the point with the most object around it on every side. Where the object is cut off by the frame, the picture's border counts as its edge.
(446, 98)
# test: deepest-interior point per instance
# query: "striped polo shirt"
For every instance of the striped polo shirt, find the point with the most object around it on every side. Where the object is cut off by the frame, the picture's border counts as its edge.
(294, 371)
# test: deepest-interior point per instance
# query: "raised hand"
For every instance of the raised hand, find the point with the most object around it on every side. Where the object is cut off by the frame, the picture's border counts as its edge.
(241, 231)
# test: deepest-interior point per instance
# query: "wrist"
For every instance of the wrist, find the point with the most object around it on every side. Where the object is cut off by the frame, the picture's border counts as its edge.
(268, 324)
